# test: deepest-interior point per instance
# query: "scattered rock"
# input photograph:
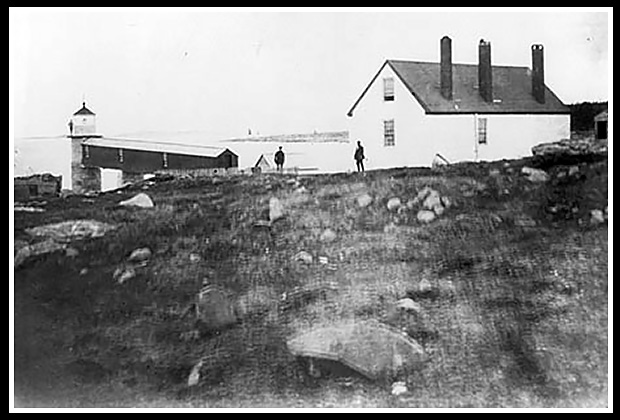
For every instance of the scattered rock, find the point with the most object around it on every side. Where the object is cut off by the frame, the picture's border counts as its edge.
(71, 230)
(409, 305)
(140, 256)
(424, 286)
(71, 252)
(194, 376)
(304, 257)
(28, 209)
(411, 204)
(194, 258)
(83, 271)
(494, 172)
(573, 170)
(323, 260)
(399, 388)
(446, 202)
(262, 224)
(432, 200)
(39, 248)
(390, 228)
(524, 221)
(364, 200)
(141, 200)
(535, 175)
(214, 308)
(276, 209)
(438, 209)
(328, 235)
(122, 274)
(422, 194)
(426, 216)
(393, 204)
(597, 216)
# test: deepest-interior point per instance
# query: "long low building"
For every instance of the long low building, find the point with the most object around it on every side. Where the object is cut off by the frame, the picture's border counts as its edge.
(144, 156)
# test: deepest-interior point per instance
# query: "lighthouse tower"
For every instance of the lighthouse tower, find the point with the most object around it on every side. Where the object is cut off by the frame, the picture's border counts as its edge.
(82, 126)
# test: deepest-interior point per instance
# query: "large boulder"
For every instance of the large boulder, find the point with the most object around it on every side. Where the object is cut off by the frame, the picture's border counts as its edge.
(141, 200)
(535, 175)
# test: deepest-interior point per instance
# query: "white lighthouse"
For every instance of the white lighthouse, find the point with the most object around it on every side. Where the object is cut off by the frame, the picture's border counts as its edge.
(82, 126)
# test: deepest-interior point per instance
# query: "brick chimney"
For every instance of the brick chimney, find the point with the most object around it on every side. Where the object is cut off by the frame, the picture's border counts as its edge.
(485, 77)
(445, 75)
(538, 73)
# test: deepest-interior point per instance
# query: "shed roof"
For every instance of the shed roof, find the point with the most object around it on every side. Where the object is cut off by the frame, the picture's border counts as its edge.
(512, 90)
(157, 146)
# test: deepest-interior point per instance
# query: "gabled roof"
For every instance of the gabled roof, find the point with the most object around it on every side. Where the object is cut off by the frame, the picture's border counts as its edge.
(84, 110)
(157, 146)
(603, 116)
(512, 90)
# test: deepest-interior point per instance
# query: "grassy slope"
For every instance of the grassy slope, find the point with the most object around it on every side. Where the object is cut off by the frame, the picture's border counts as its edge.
(520, 316)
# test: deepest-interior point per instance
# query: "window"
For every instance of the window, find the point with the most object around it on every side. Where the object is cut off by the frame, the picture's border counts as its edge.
(388, 89)
(121, 157)
(85, 152)
(165, 157)
(482, 131)
(388, 133)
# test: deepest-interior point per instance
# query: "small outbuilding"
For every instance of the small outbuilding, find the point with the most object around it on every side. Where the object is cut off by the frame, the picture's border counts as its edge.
(600, 126)
(36, 185)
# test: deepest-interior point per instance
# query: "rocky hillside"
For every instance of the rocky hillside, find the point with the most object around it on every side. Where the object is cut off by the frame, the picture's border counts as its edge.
(498, 270)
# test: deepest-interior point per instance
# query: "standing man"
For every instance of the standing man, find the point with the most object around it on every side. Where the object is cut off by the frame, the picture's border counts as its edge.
(359, 157)
(279, 159)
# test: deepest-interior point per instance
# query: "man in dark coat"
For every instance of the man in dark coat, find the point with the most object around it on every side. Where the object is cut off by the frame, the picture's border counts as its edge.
(359, 157)
(279, 159)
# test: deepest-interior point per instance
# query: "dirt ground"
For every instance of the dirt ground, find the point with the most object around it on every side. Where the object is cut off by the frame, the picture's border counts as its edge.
(516, 315)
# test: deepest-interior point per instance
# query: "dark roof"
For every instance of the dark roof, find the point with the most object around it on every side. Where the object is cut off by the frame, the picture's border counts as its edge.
(84, 110)
(157, 146)
(512, 90)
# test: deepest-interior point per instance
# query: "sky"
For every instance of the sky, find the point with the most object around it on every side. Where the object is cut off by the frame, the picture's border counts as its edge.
(225, 72)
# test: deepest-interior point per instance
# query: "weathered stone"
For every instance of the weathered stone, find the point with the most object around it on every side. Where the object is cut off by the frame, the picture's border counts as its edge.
(439, 209)
(424, 286)
(276, 209)
(364, 200)
(393, 204)
(194, 375)
(524, 221)
(328, 235)
(122, 274)
(597, 216)
(140, 256)
(141, 200)
(409, 305)
(323, 260)
(571, 147)
(399, 388)
(303, 256)
(535, 175)
(432, 200)
(71, 252)
(39, 248)
(426, 216)
(446, 202)
(573, 170)
(71, 230)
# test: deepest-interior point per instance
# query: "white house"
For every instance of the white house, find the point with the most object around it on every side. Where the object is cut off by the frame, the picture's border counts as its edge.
(411, 111)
